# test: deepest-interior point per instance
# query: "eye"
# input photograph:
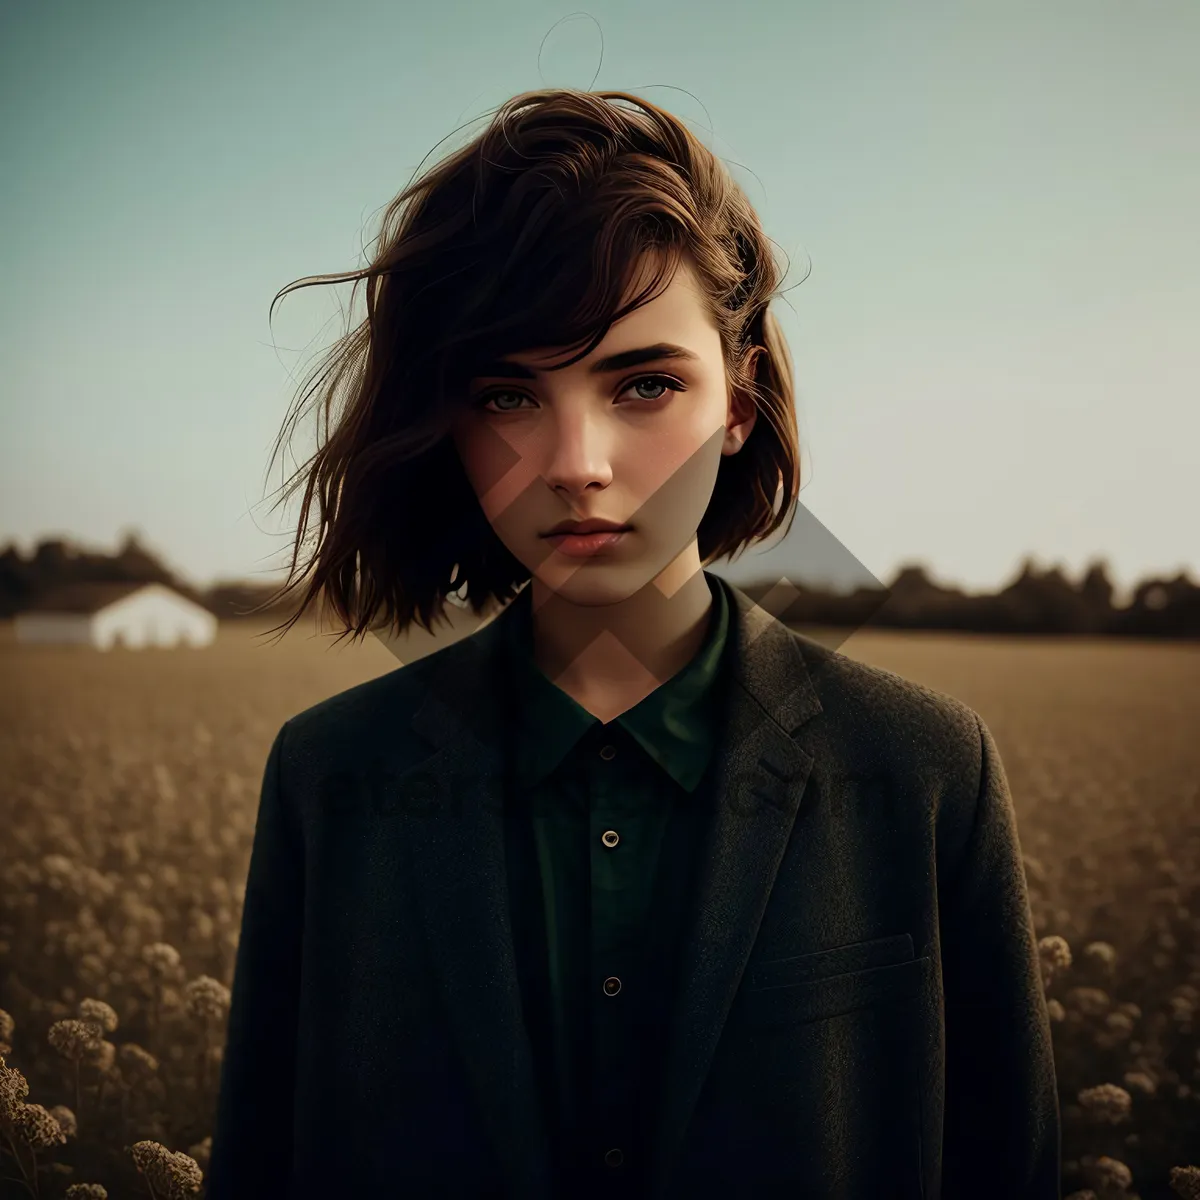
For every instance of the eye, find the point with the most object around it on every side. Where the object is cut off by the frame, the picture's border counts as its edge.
(661, 381)
(484, 398)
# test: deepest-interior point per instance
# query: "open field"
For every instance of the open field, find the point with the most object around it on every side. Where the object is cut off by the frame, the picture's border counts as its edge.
(130, 791)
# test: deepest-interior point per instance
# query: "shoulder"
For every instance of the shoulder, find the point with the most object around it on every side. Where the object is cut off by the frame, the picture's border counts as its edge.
(360, 720)
(927, 752)
(884, 724)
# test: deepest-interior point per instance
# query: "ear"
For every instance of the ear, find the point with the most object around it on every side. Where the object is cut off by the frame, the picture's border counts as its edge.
(743, 413)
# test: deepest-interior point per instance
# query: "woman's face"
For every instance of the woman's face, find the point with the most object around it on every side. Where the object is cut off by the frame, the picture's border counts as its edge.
(636, 441)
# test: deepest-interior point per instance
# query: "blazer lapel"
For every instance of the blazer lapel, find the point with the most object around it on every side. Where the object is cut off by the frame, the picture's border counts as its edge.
(760, 778)
(454, 802)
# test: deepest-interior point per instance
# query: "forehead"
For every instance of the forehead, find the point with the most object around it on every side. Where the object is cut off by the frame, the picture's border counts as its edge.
(674, 325)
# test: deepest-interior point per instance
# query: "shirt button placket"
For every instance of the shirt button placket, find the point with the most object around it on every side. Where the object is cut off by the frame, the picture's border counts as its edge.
(609, 837)
(613, 1157)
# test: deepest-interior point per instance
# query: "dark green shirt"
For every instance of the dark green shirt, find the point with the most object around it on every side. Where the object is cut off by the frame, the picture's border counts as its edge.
(605, 824)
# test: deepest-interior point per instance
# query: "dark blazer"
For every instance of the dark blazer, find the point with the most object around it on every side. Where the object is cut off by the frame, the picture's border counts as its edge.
(859, 1013)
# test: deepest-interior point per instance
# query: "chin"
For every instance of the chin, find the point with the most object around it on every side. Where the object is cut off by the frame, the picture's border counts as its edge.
(596, 583)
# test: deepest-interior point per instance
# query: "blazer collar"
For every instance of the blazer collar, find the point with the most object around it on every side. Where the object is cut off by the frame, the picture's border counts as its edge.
(455, 840)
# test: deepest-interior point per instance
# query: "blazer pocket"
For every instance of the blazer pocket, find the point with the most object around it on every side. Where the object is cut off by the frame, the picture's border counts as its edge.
(827, 964)
(891, 989)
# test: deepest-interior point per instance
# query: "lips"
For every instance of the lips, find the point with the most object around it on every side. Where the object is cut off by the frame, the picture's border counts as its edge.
(591, 525)
(587, 545)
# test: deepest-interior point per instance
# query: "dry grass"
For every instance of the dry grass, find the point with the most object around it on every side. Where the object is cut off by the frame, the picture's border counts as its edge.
(131, 790)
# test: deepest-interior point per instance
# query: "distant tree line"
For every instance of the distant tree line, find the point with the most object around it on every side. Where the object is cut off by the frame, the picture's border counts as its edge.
(57, 562)
(1037, 601)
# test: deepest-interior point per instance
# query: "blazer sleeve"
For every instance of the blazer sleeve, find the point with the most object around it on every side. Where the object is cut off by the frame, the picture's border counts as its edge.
(252, 1137)
(1001, 1133)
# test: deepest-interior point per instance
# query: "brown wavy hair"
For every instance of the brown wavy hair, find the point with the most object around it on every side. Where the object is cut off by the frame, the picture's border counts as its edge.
(527, 237)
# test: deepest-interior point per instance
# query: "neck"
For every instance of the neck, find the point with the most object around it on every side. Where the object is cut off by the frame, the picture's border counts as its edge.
(609, 657)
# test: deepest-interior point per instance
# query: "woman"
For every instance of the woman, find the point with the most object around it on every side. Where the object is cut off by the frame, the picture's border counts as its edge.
(633, 891)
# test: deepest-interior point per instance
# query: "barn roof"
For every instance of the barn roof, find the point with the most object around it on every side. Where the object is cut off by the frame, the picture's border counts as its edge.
(84, 597)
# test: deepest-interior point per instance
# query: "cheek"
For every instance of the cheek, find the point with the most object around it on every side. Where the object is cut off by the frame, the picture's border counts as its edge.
(498, 472)
(681, 457)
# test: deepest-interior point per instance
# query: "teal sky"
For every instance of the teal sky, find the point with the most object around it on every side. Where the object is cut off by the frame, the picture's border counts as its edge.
(995, 205)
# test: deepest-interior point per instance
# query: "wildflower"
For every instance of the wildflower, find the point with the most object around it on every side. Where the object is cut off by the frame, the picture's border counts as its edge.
(162, 958)
(36, 1127)
(1183, 1000)
(146, 1154)
(204, 928)
(1185, 1182)
(91, 969)
(66, 1119)
(13, 1087)
(1140, 1081)
(206, 997)
(1092, 1002)
(202, 1152)
(1119, 1022)
(1101, 954)
(100, 1056)
(137, 1062)
(73, 1038)
(103, 1014)
(170, 1174)
(87, 1191)
(1111, 1173)
(1054, 955)
(1106, 1103)
(59, 872)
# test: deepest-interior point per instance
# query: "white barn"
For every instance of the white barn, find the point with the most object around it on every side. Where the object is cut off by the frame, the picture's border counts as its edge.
(102, 615)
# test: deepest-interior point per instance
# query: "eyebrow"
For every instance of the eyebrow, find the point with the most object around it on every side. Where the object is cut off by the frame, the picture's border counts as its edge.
(602, 366)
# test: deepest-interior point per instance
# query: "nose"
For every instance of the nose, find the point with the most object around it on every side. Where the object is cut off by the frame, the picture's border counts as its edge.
(577, 452)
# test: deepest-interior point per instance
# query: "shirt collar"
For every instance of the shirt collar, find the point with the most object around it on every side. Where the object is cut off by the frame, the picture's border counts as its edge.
(675, 723)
